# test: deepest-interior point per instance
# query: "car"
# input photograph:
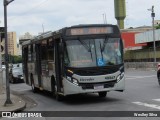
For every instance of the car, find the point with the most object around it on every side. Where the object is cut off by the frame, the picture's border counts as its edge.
(158, 73)
(16, 75)
(3, 67)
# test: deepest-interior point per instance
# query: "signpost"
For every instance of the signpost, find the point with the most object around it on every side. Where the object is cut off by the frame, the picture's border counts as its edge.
(8, 100)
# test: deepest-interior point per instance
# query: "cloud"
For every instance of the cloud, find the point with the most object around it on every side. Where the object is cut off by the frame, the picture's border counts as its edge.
(29, 15)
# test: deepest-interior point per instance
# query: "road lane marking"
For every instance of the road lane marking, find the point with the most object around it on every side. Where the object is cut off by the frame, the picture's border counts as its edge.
(134, 77)
(147, 105)
(156, 100)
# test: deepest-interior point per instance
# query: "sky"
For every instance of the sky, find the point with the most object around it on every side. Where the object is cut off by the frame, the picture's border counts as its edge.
(34, 15)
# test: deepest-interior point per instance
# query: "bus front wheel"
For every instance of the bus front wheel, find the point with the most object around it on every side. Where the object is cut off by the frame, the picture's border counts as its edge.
(102, 94)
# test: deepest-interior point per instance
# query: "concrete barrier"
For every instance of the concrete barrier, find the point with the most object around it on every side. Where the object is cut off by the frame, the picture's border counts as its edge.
(141, 65)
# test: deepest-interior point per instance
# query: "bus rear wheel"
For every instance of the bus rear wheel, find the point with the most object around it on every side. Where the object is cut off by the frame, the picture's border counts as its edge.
(34, 89)
(102, 94)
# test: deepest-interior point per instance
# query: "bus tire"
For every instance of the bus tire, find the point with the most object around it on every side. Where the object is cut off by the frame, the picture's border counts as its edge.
(53, 86)
(159, 78)
(34, 89)
(59, 97)
(102, 94)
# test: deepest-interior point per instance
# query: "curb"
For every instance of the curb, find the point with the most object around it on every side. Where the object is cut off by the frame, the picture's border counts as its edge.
(18, 105)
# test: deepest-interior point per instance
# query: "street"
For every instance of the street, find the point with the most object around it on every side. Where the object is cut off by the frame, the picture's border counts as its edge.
(141, 94)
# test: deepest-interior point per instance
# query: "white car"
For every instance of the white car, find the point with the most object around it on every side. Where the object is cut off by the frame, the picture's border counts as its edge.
(16, 75)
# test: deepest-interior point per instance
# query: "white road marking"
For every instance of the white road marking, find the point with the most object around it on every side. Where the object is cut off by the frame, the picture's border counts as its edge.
(134, 77)
(147, 105)
(156, 100)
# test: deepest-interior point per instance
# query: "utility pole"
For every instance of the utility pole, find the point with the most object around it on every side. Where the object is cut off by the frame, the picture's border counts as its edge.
(154, 44)
(43, 27)
(104, 18)
(8, 100)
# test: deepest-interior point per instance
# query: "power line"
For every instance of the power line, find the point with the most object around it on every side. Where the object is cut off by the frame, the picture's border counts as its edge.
(34, 7)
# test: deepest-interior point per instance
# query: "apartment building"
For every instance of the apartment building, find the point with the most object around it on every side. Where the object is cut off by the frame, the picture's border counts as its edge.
(12, 44)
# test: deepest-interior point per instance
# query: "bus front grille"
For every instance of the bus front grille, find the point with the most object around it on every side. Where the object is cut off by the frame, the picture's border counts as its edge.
(91, 85)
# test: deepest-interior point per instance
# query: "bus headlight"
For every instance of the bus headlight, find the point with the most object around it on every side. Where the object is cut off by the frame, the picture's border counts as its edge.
(69, 78)
(120, 76)
(75, 81)
(72, 80)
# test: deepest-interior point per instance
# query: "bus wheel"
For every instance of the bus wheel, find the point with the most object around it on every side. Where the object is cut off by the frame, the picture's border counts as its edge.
(59, 97)
(159, 78)
(34, 89)
(102, 94)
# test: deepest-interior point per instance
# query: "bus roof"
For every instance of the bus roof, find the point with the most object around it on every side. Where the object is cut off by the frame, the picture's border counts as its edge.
(58, 32)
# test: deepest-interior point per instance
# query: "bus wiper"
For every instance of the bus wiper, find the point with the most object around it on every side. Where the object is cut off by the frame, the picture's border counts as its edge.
(101, 49)
(104, 44)
(88, 48)
(85, 45)
(90, 51)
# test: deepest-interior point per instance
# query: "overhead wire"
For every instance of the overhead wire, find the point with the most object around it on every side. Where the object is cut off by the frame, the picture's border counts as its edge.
(33, 8)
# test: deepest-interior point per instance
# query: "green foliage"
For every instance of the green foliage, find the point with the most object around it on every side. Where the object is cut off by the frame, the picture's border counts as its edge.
(158, 26)
(13, 59)
(16, 59)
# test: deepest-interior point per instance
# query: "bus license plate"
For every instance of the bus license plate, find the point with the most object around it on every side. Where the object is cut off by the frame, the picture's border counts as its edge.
(97, 87)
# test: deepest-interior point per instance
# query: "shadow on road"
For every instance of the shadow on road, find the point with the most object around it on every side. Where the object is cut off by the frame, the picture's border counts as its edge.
(91, 98)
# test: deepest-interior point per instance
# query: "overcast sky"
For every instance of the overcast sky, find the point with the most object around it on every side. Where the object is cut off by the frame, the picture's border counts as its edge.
(29, 15)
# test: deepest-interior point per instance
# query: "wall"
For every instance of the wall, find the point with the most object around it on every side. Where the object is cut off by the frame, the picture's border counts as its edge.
(129, 40)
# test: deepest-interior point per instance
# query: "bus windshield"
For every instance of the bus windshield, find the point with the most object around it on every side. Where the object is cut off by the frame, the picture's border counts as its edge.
(93, 52)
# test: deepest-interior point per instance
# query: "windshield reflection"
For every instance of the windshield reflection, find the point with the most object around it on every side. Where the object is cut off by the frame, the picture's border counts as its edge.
(93, 52)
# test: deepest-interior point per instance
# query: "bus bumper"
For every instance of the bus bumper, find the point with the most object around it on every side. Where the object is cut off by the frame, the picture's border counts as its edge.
(70, 88)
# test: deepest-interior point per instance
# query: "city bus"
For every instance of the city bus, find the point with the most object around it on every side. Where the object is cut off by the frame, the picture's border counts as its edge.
(75, 60)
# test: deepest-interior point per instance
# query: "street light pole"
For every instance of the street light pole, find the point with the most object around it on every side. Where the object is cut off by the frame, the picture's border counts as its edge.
(8, 100)
(154, 44)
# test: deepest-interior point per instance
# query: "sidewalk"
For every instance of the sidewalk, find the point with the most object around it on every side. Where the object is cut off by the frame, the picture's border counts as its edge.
(17, 103)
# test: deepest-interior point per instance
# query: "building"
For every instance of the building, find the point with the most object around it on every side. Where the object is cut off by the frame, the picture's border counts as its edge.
(147, 37)
(129, 37)
(12, 44)
(129, 41)
(23, 38)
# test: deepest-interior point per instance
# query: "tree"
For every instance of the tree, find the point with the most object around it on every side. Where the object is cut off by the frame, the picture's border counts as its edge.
(158, 26)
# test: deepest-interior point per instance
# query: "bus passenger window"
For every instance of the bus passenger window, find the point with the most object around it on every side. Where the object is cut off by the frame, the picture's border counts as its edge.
(50, 51)
(44, 50)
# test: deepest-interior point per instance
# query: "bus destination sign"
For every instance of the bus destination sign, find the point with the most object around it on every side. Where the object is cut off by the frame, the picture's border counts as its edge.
(90, 30)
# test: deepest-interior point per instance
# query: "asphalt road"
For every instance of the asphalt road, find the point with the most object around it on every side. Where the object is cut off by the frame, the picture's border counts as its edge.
(142, 93)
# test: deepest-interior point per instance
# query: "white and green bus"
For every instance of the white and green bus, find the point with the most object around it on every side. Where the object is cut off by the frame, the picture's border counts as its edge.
(75, 60)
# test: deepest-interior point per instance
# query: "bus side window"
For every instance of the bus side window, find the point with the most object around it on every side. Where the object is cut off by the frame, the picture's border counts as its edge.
(29, 53)
(44, 50)
(50, 50)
